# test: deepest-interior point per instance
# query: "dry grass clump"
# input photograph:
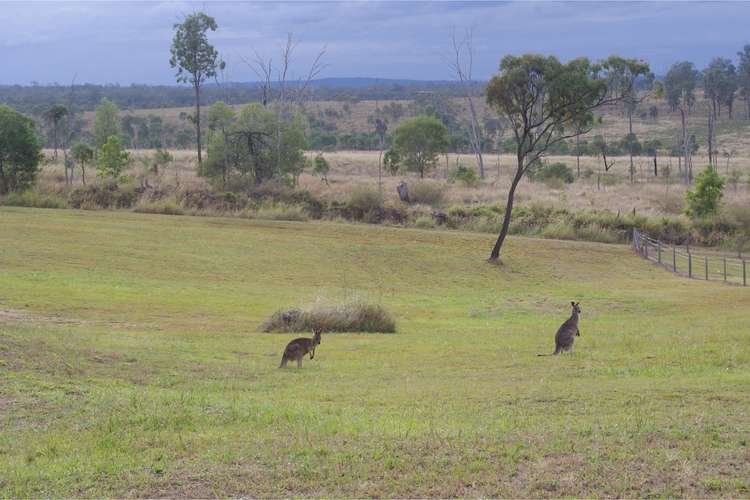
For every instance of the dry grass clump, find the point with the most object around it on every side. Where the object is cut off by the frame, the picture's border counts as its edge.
(427, 193)
(278, 211)
(33, 199)
(354, 316)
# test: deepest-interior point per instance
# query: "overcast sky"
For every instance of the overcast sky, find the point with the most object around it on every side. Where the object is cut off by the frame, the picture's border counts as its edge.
(128, 42)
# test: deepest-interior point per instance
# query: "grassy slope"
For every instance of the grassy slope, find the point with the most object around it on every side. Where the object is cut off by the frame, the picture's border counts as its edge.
(130, 365)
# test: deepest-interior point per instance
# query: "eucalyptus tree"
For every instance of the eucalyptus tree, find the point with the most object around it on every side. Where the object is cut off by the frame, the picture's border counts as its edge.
(679, 90)
(20, 151)
(743, 76)
(196, 60)
(546, 102)
(54, 117)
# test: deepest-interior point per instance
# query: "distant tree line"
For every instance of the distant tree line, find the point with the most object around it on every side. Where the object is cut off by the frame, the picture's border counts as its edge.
(31, 98)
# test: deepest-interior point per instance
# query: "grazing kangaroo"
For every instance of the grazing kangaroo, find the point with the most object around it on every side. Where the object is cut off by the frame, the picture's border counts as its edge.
(297, 348)
(567, 332)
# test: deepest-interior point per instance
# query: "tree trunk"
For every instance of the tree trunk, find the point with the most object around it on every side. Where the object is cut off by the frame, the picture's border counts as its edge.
(495, 254)
(54, 145)
(685, 146)
(83, 173)
(476, 137)
(3, 185)
(578, 156)
(656, 167)
(198, 125)
(630, 146)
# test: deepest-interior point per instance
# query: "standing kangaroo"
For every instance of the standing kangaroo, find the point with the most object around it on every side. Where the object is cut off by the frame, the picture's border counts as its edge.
(297, 348)
(567, 332)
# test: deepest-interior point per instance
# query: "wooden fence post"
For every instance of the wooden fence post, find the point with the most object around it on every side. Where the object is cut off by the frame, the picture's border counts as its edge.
(744, 273)
(674, 259)
(690, 265)
(725, 268)
(705, 261)
(658, 250)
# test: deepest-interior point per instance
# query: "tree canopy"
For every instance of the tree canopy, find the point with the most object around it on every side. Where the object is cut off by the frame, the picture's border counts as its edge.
(196, 60)
(546, 102)
(106, 122)
(418, 142)
(20, 151)
(250, 149)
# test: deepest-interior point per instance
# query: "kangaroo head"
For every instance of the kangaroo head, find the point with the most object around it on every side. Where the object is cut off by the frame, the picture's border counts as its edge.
(576, 307)
(316, 336)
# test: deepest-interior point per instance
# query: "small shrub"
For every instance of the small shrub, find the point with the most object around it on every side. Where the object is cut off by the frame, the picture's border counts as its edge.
(551, 172)
(466, 176)
(427, 193)
(103, 196)
(164, 206)
(364, 202)
(33, 199)
(354, 316)
(279, 212)
(709, 189)
(424, 222)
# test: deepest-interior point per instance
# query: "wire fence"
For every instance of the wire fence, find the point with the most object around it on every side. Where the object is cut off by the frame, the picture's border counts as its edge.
(683, 261)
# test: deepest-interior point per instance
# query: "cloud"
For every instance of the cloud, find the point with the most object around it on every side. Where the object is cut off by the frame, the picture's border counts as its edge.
(124, 42)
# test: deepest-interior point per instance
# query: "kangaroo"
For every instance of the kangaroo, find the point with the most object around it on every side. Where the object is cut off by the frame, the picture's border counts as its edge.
(297, 348)
(567, 332)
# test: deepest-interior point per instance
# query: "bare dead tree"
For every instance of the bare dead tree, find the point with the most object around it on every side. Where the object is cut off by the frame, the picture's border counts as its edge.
(461, 64)
(287, 96)
(263, 69)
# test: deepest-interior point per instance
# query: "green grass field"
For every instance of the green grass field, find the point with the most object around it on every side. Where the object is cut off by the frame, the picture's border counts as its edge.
(130, 365)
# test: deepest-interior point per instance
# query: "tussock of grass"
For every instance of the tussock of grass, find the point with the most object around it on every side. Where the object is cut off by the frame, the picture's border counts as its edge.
(280, 211)
(427, 193)
(354, 316)
(165, 207)
(33, 199)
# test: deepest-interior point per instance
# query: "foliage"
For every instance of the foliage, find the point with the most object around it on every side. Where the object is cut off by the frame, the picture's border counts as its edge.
(54, 117)
(83, 154)
(542, 171)
(743, 75)
(391, 161)
(106, 122)
(196, 60)
(679, 84)
(20, 151)
(220, 116)
(321, 167)
(709, 189)
(251, 148)
(546, 102)
(102, 195)
(466, 176)
(720, 82)
(112, 159)
(417, 142)
(31, 198)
